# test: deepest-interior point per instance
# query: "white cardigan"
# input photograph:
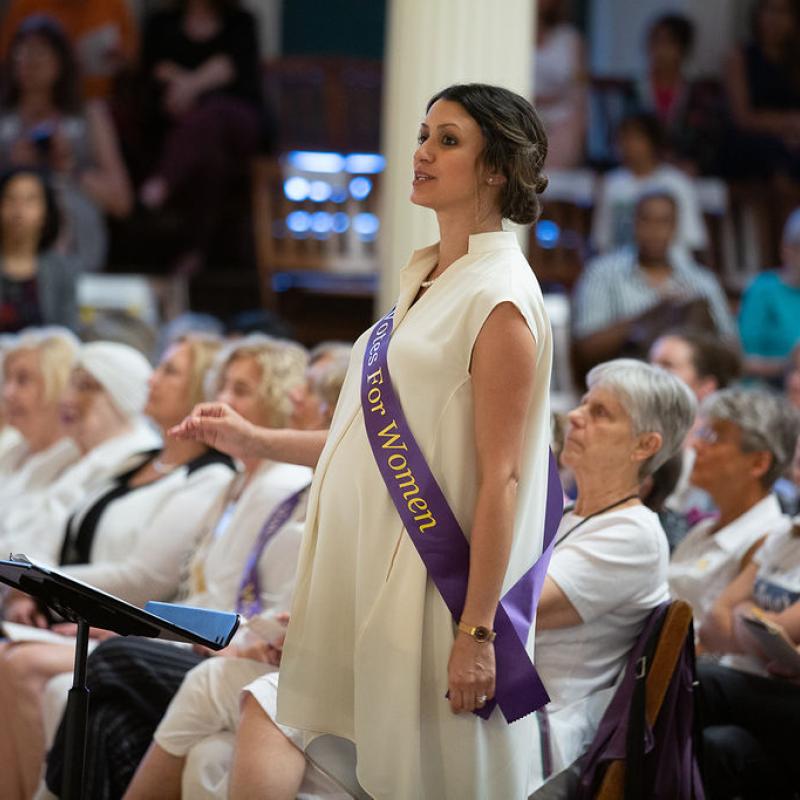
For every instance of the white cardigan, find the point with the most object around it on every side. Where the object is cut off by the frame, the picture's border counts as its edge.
(36, 527)
(142, 537)
(23, 472)
(217, 563)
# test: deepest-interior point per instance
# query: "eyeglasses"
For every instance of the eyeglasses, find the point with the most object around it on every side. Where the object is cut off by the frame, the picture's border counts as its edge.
(706, 434)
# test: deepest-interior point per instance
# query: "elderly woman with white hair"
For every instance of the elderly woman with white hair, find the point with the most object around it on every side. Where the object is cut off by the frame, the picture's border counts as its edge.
(101, 412)
(127, 538)
(769, 315)
(35, 371)
(744, 442)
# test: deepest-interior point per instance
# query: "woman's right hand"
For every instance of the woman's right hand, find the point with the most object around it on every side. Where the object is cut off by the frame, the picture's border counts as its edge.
(220, 427)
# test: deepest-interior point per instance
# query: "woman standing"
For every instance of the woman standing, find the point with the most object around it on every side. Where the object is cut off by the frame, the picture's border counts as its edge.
(470, 360)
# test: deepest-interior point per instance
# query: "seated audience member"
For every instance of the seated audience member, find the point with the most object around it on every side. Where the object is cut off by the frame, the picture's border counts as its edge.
(132, 681)
(103, 32)
(201, 60)
(44, 124)
(751, 713)
(37, 283)
(627, 298)
(101, 411)
(128, 539)
(764, 96)
(560, 79)
(35, 373)
(705, 364)
(608, 570)
(9, 436)
(745, 440)
(769, 316)
(640, 140)
(689, 111)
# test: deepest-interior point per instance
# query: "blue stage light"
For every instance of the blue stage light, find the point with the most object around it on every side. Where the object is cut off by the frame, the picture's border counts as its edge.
(366, 225)
(298, 221)
(547, 233)
(320, 191)
(340, 222)
(339, 194)
(360, 188)
(296, 188)
(312, 161)
(365, 163)
(322, 222)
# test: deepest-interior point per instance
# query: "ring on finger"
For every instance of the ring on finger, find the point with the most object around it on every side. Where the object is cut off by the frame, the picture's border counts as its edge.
(481, 699)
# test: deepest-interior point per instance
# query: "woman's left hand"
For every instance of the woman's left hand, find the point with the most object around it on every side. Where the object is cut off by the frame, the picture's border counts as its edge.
(470, 673)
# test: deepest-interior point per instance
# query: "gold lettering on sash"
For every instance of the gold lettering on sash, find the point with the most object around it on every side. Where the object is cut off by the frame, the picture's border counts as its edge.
(396, 461)
(392, 437)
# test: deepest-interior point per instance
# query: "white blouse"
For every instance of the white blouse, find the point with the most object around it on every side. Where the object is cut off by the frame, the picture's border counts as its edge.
(143, 537)
(36, 528)
(215, 571)
(22, 472)
(704, 563)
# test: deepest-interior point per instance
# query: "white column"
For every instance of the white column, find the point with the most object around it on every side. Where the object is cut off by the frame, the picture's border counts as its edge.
(432, 44)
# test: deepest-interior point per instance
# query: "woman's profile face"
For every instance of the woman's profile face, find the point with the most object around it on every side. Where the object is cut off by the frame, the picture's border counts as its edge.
(24, 396)
(309, 409)
(88, 415)
(600, 436)
(23, 208)
(241, 390)
(36, 64)
(721, 467)
(448, 171)
(168, 401)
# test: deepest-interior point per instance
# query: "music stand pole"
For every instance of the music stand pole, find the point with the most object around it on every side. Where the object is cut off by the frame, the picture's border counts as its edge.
(76, 720)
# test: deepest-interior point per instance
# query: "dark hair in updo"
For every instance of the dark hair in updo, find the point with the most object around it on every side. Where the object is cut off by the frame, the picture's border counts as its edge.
(516, 144)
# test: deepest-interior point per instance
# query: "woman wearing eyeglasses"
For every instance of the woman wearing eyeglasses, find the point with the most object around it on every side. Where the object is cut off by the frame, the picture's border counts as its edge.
(744, 442)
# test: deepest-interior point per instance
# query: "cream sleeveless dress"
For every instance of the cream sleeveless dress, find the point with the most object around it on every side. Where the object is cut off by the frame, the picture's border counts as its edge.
(370, 637)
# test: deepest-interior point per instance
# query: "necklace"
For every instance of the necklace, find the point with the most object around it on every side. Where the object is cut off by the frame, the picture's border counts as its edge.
(428, 284)
(597, 514)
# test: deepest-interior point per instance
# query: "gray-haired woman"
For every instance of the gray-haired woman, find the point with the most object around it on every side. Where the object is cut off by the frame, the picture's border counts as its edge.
(744, 442)
(609, 566)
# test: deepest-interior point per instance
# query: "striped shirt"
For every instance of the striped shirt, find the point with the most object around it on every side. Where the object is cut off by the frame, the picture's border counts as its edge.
(614, 288)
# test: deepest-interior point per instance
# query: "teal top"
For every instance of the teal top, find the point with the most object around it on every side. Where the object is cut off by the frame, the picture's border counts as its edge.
(769, 318)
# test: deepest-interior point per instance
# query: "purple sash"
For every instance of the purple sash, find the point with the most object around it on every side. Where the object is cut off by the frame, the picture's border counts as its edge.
(440, 542)
(249, 601)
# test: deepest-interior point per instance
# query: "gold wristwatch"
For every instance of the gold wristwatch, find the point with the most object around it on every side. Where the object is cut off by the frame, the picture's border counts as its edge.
(479, 633)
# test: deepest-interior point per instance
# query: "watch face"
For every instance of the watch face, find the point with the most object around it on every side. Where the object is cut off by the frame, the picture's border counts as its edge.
(482, 634)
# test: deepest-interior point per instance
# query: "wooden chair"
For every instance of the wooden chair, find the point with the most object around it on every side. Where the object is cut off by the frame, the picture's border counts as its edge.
(671, 640)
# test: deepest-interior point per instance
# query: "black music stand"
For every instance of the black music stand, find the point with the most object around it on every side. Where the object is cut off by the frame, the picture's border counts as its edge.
(89, 607)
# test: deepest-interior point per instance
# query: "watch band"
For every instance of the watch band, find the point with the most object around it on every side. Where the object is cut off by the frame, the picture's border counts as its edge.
(478, 632)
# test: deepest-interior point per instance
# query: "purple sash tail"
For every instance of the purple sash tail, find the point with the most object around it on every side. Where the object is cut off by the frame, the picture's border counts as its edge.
(248, 603)
(440, 542)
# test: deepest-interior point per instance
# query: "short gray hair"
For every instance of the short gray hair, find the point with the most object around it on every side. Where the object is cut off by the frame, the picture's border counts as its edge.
(655, 400)
(766, 420)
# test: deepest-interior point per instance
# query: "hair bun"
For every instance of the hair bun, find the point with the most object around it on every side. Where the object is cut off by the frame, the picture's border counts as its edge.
(540, 184)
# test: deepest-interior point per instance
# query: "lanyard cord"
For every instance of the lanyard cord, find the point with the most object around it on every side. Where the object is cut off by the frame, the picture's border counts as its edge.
(597, 514)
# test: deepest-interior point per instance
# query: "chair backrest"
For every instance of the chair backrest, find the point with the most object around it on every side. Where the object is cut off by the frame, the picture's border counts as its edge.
(671, 641)
(640, 749)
